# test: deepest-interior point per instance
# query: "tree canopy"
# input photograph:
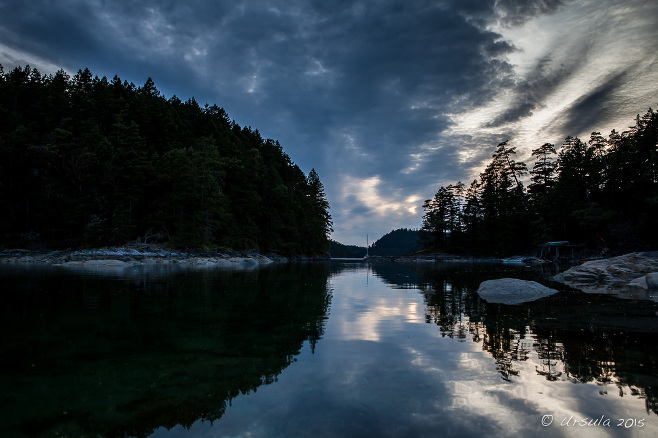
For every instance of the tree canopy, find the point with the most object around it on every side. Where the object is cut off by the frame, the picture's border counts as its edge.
(602, 194)
(87, 161)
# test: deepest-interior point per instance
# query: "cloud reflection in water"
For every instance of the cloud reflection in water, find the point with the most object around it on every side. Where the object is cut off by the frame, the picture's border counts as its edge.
(411, 351)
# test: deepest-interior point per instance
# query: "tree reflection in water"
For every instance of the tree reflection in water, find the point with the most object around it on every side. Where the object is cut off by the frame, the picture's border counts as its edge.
(86, 355)
(91, 355)
(576, 337)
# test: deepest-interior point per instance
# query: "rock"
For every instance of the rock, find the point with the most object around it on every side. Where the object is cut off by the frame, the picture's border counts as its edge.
(513, 291)
(640, 282)
(647, 282)
(108, 265)
(652, 280)
(120, 258)
(617, 275)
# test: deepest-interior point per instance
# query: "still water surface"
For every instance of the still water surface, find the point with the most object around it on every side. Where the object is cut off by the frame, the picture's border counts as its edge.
(340, 349)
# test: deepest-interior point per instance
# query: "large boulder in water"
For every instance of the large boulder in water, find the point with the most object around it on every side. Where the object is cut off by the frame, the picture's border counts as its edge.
(512, 291)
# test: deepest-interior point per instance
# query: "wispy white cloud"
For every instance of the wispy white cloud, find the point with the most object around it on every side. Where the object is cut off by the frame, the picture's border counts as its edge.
(570, 68)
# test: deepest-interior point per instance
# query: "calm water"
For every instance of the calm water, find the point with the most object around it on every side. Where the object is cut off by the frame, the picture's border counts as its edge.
(341, 349)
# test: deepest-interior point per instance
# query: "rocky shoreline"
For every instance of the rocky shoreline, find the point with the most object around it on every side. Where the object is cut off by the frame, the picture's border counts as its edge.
(144, 254)
(633, 275)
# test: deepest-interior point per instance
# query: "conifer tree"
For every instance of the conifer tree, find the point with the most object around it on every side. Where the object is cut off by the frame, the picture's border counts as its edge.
(321, 224)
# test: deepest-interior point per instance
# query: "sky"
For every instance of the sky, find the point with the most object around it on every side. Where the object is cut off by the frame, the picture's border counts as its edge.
(386, 99)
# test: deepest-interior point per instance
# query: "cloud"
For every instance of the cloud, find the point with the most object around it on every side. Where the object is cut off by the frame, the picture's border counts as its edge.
(27, 29)
(569, 77)
(518, 12)
(368, 205)
(592, 107)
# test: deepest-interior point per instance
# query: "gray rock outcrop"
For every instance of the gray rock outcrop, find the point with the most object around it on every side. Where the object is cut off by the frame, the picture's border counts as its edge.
(648, 282)
(513, 291)
(120, 258)
(632, 275)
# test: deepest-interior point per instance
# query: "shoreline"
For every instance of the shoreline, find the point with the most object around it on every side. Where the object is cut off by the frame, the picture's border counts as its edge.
(439, 257)
(633, 275)
(144, 255)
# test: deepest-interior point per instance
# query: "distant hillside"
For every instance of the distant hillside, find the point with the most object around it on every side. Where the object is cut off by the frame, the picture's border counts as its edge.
(338, 250)
(398, 242)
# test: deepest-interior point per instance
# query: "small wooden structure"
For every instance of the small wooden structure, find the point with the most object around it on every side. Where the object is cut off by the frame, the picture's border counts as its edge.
(561, 250)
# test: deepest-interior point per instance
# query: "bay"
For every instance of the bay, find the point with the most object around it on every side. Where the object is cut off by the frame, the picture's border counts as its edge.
(318, 349)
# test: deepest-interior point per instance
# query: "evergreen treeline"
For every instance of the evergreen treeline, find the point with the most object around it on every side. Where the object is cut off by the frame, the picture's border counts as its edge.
(87, 161)
(602, 194)
(339, 250)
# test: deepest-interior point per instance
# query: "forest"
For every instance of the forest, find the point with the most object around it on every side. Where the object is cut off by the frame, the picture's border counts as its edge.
(339, 250)
(89, 162)
(601, 194)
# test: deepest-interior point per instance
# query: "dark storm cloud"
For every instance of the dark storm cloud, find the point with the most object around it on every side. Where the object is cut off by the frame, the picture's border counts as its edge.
(508, 12)
(382, 77)
(593, 109)
(517, 12)
(378, 65)
(356, 208)
(26, 27)
(530, 93)
(76, 34)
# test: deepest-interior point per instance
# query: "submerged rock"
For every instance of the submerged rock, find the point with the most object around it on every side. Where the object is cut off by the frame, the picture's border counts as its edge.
(630, 275)
(513, 291)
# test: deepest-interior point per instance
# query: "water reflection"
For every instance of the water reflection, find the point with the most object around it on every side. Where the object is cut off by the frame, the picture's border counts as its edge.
(111, 355)
(350, 349)
(573, 336)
